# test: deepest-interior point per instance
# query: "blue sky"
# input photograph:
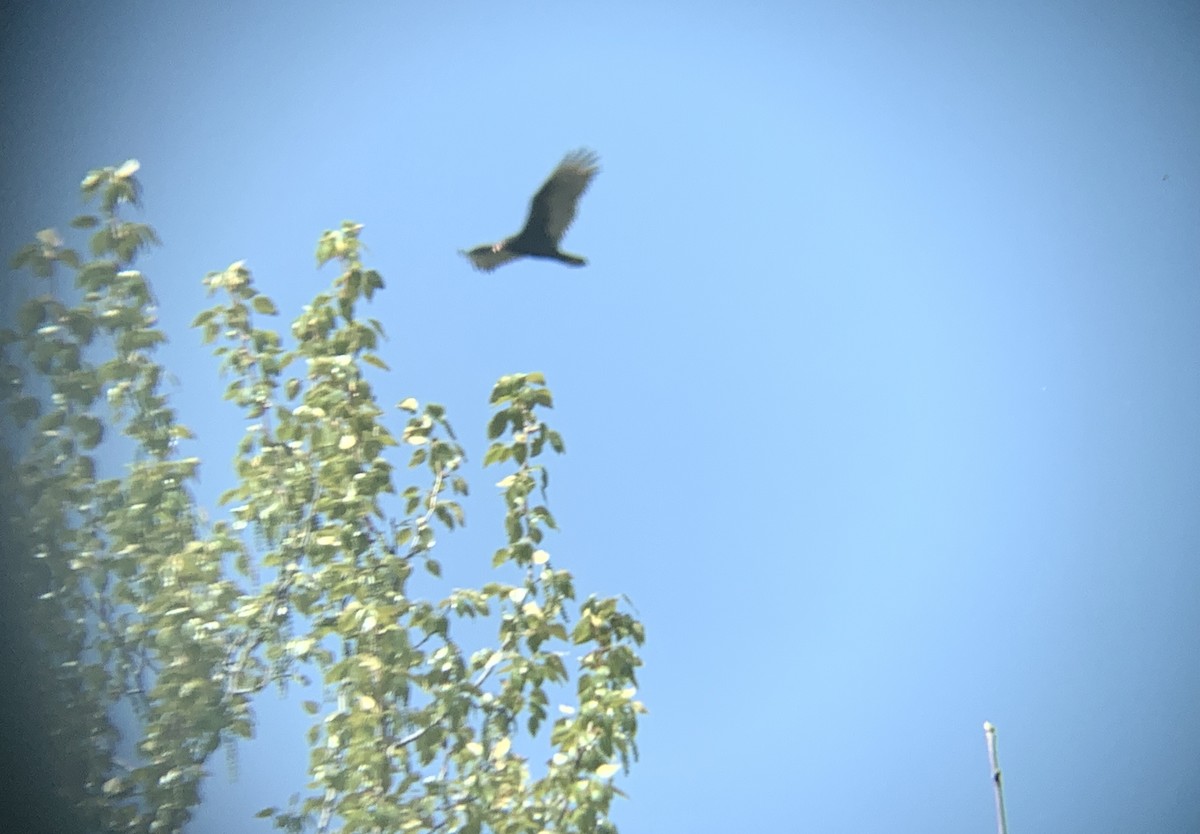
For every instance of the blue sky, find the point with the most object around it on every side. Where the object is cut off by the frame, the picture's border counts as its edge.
(880, 390)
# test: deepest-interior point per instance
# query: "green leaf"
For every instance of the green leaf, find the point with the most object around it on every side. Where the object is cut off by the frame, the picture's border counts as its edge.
(263, 304)
(504, 388)
(90, 430)
(92, 181)
(30, 316)
(496, 453)
(311, 707)
(609, 770)
(97, 274)
(585, 631)
(23, 256)
(86, 221)
(497, 424)
(127, 169)
(101, 242)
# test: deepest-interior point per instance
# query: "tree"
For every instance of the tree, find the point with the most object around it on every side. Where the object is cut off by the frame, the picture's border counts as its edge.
(135, 596)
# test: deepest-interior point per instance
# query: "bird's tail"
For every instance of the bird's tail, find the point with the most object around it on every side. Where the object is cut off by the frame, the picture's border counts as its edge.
(568, 258)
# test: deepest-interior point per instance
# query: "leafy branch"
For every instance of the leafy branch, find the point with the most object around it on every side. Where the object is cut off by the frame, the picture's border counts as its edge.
(138, 597)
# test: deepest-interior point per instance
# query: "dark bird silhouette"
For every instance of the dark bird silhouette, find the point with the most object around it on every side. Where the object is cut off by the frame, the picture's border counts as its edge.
(550, 214)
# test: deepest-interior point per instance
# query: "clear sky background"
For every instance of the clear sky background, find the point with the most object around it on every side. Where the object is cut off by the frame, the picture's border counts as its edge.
(880, 391)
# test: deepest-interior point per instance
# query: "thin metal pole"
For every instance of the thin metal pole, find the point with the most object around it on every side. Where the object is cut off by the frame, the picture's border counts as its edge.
(989, 731)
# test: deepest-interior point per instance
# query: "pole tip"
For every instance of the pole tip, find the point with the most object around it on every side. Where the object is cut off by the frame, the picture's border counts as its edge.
(989, 727)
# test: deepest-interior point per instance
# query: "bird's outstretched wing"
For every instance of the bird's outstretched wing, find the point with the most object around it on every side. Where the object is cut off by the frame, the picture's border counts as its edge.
(487, 258)
(553, 207)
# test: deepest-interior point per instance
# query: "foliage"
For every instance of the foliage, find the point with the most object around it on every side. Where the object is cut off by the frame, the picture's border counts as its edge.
(140, 599)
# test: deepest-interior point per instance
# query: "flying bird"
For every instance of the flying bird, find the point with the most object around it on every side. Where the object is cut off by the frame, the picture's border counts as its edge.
(550, 214)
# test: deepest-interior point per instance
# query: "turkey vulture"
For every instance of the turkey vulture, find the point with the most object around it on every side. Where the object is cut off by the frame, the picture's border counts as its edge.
(550, 214)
